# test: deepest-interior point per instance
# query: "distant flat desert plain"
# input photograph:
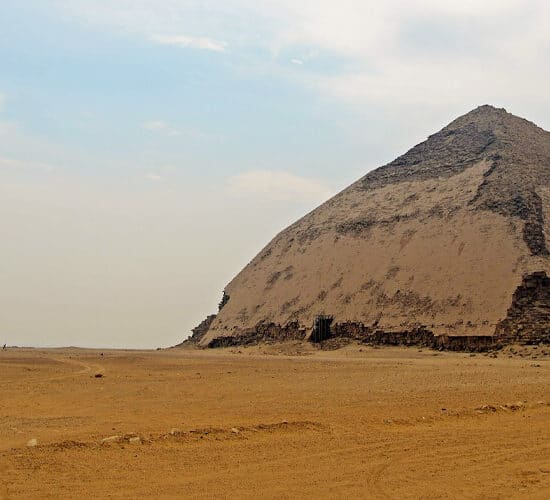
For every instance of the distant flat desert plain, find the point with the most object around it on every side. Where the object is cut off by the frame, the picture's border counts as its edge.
(289, 421)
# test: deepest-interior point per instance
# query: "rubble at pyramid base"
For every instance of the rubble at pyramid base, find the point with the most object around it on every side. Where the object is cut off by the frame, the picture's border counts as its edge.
(527, 322)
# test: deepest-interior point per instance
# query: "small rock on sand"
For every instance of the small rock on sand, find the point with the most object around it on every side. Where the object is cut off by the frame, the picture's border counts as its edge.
(234, 430)
(135, 440)
(32, 443)
(175, 431)
(111, 439)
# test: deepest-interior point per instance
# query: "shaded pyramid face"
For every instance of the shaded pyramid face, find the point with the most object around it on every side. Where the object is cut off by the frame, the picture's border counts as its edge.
(447, 239)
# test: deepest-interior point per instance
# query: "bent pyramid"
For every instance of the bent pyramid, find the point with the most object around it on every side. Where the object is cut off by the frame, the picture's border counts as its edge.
(446, 243)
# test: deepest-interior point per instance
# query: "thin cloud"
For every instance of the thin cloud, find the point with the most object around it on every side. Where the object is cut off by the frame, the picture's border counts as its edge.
(155, 125)
(365, 42)
(7, 128)
(297, 62)
(13, 164)
(154, 177)
(161, 126)
(278, 185)
(188, 42)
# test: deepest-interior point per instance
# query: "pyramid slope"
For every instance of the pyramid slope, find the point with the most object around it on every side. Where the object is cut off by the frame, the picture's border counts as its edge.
(439, 239)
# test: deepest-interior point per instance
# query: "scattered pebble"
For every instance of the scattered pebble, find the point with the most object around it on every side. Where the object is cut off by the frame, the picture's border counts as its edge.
(32, 443)
(111, 439)
(175, 431)
(486, 408)
(519, 405)
(98, 375)
(234, 430)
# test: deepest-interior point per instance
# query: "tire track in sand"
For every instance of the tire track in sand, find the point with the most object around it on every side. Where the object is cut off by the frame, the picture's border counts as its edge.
(84, 368)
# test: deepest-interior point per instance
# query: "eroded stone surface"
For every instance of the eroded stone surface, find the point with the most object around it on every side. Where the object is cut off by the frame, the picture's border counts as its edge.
(528, 318)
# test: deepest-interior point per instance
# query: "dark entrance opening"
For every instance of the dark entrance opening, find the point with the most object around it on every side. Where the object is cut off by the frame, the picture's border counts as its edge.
(321, 328)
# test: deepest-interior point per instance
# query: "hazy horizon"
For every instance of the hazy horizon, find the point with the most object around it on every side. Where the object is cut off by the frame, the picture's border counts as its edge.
(149, 149)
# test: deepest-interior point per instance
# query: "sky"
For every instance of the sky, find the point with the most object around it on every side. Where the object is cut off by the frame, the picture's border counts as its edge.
(150, 148)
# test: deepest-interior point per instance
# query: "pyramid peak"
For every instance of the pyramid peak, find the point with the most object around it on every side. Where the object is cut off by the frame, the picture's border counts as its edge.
(485, 116)
(488, 109)
(484, 133)
(493, 119)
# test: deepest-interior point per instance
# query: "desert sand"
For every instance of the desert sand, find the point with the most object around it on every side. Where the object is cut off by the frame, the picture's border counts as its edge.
(274, 422)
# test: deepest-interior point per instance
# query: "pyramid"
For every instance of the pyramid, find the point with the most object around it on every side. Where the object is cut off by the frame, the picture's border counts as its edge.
(444, 246)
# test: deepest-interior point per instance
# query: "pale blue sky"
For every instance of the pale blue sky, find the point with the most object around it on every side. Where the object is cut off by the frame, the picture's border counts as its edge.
(149, 148)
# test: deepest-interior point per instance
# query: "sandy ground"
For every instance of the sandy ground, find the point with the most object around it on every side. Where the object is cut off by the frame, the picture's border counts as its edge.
(262, 423)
